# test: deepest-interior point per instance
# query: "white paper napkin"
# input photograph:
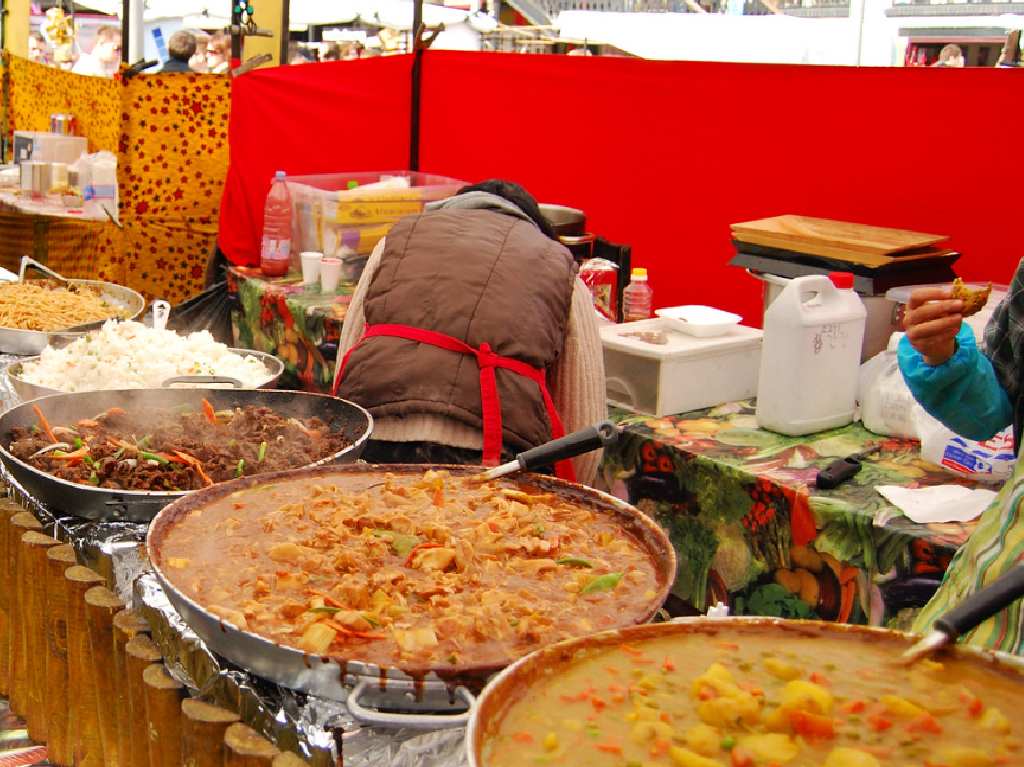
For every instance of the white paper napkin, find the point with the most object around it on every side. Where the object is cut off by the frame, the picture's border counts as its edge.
(941, 503)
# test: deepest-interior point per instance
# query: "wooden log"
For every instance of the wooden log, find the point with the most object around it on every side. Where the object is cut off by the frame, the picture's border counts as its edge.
(34, 611)
(7, 510)
(202, 733)
(244, 747)
(101, 605)
(288, 759)
(19, 524)
(139, 654)
(163, 713)
(83, 724)
(58, 560)
(127, 625)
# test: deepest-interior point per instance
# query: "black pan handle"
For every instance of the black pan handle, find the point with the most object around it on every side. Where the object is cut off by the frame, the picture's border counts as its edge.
(203, 379)
(984, 604)
(569, 446)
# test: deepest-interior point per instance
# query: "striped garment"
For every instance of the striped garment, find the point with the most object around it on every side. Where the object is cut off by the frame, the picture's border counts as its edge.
(996, 546)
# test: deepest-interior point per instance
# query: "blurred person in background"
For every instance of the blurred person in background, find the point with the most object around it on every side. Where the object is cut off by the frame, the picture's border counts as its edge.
(331, 52)
(198, 61)
(37, 49)
(1010, 55)
(218, 54)
(180, 48)
(950, 56)
(105, 56)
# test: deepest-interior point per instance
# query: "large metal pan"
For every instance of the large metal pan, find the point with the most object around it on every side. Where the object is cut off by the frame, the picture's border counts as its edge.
(27, 390)
(509, 685)
(29, 342)
(352, 680)
(99, 503)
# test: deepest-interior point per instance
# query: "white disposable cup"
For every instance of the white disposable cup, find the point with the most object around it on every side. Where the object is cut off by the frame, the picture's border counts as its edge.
(330, 274)
(311, 267)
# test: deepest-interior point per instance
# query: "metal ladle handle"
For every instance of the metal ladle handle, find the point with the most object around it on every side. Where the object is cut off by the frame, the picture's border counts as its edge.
(161, 313)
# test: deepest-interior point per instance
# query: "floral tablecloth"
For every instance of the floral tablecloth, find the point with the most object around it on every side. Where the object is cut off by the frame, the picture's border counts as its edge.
(298, 324)
(753, 531)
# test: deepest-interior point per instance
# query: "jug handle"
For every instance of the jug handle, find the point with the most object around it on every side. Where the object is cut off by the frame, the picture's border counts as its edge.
(813, 285)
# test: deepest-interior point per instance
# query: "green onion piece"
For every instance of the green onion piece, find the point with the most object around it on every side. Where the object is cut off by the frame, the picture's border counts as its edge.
(59, 453)
(117, 455)
(605, 582)
(88, 460)
(728, 743)
(592, 731)
(262, 453)
(324, 610)
(146, 456)
(94, 479)
(78, 443)
(371, 620)
(144, 442)
(573, 562)
(241, 467)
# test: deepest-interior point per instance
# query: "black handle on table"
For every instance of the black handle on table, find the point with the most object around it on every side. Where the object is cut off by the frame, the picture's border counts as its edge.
(569, 446)
(984, 604)
(836, 473)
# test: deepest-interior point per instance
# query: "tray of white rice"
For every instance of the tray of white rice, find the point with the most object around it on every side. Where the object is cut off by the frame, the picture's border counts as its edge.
(130, 355)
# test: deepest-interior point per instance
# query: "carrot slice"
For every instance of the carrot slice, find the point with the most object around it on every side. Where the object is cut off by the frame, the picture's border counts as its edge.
(522, 737)
(811, 725)
(345, 631)
(418, 548)
(610, 748)
(196, 464)
(44, 424)
(209, 412)
(76, 455)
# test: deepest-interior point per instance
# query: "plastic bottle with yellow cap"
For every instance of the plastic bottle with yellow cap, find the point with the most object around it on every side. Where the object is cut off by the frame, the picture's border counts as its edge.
(637, 298)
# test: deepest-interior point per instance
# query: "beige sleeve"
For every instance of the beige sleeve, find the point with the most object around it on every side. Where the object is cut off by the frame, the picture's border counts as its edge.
(355, 318)
(578, 387)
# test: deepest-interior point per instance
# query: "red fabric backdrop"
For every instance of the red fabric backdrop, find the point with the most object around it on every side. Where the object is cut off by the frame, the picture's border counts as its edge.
(665, 155)
(316, 118)
(662, 155)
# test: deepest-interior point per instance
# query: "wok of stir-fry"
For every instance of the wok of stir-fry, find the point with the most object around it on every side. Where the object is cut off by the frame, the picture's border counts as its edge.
(176, 450)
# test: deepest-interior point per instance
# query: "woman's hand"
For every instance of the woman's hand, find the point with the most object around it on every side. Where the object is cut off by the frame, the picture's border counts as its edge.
(932, 321)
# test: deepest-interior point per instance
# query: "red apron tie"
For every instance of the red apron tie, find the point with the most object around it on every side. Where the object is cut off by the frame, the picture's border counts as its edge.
(490, 401)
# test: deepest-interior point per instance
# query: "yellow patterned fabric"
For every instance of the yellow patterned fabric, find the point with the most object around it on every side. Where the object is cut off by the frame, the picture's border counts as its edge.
(37, 91)
(173, 161)
(170, 135)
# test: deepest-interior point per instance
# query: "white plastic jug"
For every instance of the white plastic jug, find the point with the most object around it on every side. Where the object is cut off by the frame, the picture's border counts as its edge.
(810, 358)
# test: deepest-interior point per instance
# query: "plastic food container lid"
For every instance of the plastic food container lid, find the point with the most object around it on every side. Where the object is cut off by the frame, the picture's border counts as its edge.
(697, 320)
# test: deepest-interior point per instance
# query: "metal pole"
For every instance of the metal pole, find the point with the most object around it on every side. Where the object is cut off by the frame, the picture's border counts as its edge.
(236, 33)
(286, 35)
(417, 80)
(126, 20)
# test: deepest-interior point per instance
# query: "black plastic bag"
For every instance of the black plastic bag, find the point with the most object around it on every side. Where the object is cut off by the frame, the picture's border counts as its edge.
(210, 310)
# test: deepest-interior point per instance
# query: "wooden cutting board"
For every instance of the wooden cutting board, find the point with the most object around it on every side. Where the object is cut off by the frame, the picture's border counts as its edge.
(833, 239)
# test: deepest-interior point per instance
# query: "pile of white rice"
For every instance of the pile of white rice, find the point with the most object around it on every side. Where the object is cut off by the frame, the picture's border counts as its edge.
(129, 355)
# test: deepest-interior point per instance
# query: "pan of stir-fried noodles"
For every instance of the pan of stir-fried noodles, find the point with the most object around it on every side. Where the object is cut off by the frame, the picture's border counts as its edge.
(35, 311)
(395, 582)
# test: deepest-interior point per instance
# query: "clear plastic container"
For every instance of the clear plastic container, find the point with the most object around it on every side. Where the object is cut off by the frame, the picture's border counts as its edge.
(637, 298)
(275, 250)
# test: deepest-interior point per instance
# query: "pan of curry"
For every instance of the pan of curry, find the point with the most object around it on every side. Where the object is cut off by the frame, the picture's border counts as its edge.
(750, 692)
(401, 589)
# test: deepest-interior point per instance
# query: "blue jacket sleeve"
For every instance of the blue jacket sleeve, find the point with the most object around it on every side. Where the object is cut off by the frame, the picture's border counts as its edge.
(963, 392)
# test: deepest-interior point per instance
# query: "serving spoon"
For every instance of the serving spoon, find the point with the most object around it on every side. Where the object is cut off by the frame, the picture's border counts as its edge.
(969, 614)
(550, 453)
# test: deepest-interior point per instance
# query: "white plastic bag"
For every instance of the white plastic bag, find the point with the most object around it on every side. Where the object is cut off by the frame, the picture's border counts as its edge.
(886, 404)
(988, 461)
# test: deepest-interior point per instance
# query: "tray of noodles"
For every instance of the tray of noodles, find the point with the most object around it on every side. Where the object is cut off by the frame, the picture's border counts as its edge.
(32, 312)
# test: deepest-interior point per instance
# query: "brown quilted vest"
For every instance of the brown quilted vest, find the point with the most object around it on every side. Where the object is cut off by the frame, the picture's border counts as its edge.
(478, 276)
